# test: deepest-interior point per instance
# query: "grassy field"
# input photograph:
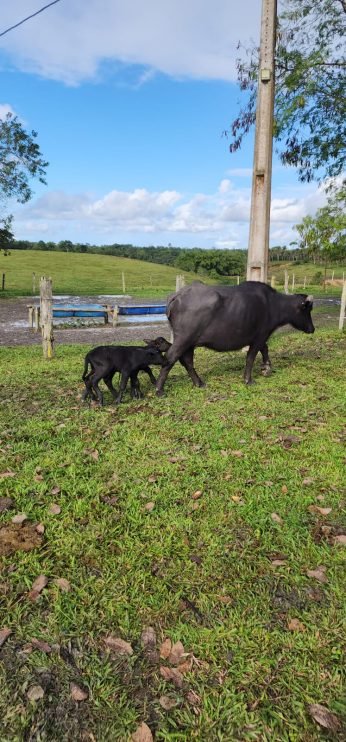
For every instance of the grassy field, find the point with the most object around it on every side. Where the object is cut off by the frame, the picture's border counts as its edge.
(308, 271)
(84, 274)
(215, 517)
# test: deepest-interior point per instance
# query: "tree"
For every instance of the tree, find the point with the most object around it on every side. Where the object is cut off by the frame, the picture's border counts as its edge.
(6, 234)
(20, 160)
(324, 235)
(310, 104)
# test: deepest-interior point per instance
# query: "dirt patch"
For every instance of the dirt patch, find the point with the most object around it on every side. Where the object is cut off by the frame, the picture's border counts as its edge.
(17, 537)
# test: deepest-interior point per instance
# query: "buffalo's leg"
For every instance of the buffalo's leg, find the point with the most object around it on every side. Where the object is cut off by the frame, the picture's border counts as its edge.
(250, 359)
(186, 360)
(94, 381)
(108, 381)
(174, 354)
(152, 378)
(266, 362)
(123, 383)
(136, 392)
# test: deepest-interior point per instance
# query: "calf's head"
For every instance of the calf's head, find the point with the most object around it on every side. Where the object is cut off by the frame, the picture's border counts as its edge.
(159, 343)
(301, 315)
(154, 357)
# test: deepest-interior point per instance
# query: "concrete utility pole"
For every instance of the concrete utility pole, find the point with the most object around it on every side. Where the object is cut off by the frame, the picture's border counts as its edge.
(257, 265)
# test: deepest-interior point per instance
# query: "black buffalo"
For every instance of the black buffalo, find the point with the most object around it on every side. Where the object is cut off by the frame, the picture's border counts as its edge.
(229, 318)
(106, 360)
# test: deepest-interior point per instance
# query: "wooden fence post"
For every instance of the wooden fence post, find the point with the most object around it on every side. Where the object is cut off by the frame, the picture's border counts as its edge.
(304, 286)
(272, 282)
(179, 281)
(34, 283)
(286, 282)
(238, 280)
(46, 313)
(36, 319)
(3, 281)
(115, 315)
(293, 282)
(123, 282)
(343, 307)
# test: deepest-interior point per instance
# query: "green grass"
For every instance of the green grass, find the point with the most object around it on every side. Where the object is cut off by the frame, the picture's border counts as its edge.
(84, 274)
(204, 576)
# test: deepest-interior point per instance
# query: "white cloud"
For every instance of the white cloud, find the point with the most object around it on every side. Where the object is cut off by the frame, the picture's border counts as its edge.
(219, 219)
(71, 41)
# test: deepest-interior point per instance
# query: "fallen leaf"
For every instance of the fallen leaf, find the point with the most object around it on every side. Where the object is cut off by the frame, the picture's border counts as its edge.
(295, 625)
(142, 734)
(193, 698)
(173, 675)
(224, 599)
(237, 454)
(284, 489)
(55, 490)
(35, 692)
(7, 473)
(41, 645)
(54, 509)
(93, 453)
(148, 637)
(341, 539)
(279, 562)
(4, 634)
(78, 693)
(318, 574)
(196, 495)
(63, 584)
(38, 478)
(149, 506)
(165, 649)
(118, 646)
(308, 480)
(152, 478)
(167, 703)
(177, 653)
(185, 666)
(40, 528)
(276, 518)
(5, 503)
(19, 518)
(40, 583)
(317, 509)
(324, 717)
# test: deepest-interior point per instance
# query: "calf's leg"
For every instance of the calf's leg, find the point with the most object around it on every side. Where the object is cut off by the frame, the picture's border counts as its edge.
(136, 392)
(123, 383)
(108, 381)
(94, 380)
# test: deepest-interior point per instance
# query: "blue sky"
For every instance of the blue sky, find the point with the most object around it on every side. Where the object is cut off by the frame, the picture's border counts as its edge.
(130, 100)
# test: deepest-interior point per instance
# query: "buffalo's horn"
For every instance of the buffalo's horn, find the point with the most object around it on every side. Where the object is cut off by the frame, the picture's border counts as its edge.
(310, 298)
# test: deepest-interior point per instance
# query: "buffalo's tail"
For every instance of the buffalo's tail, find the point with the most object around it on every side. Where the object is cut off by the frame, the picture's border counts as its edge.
(86, 364)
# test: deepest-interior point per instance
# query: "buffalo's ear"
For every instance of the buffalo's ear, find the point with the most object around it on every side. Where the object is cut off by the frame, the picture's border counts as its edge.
(308, 302)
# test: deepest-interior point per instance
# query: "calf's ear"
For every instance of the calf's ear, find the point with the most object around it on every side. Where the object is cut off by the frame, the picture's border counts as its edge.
(149, 342)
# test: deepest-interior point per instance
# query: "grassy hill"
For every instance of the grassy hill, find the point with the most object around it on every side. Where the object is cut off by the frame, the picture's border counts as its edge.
(80, 273)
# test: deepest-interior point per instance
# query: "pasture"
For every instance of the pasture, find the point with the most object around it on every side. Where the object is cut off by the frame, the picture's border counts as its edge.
(86, 274)
(214, 516)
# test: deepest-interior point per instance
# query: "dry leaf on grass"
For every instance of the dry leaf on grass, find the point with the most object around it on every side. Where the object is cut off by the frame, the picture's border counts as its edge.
(118, 646)
(35, 692)
(324, 717)
(177, 653)
(318, 574)
(93, 453)
(196, 495)
(19, 518)
(148, 637)
(167, 703)
(7, 473)
(295, 625)
(149, 506)
(38, 585)
(173, 675)
(317, 509)
(41, 645)
(40, 528)
(63, 584)
(237, 454)
(279, 563)
(54, 509)
(165, 649)
(142, 734)
(55, 490)
(78, 693)
(276, 518)
(341, 539)
(4, 634)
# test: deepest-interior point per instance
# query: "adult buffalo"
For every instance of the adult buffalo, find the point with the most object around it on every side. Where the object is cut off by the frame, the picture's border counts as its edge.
(229, 318)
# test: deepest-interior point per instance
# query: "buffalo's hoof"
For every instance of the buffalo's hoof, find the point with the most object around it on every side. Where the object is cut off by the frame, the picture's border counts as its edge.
(266, 371)
(201, 384)
(249, 382)
(159, 392)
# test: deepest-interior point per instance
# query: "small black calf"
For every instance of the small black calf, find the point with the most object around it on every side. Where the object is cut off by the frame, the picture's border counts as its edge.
(106, 360)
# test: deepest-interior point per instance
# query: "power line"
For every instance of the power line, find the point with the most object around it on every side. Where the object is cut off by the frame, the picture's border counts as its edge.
(28, 17)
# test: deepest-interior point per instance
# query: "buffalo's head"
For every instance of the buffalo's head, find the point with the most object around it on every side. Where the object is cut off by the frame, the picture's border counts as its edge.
(302, 313)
